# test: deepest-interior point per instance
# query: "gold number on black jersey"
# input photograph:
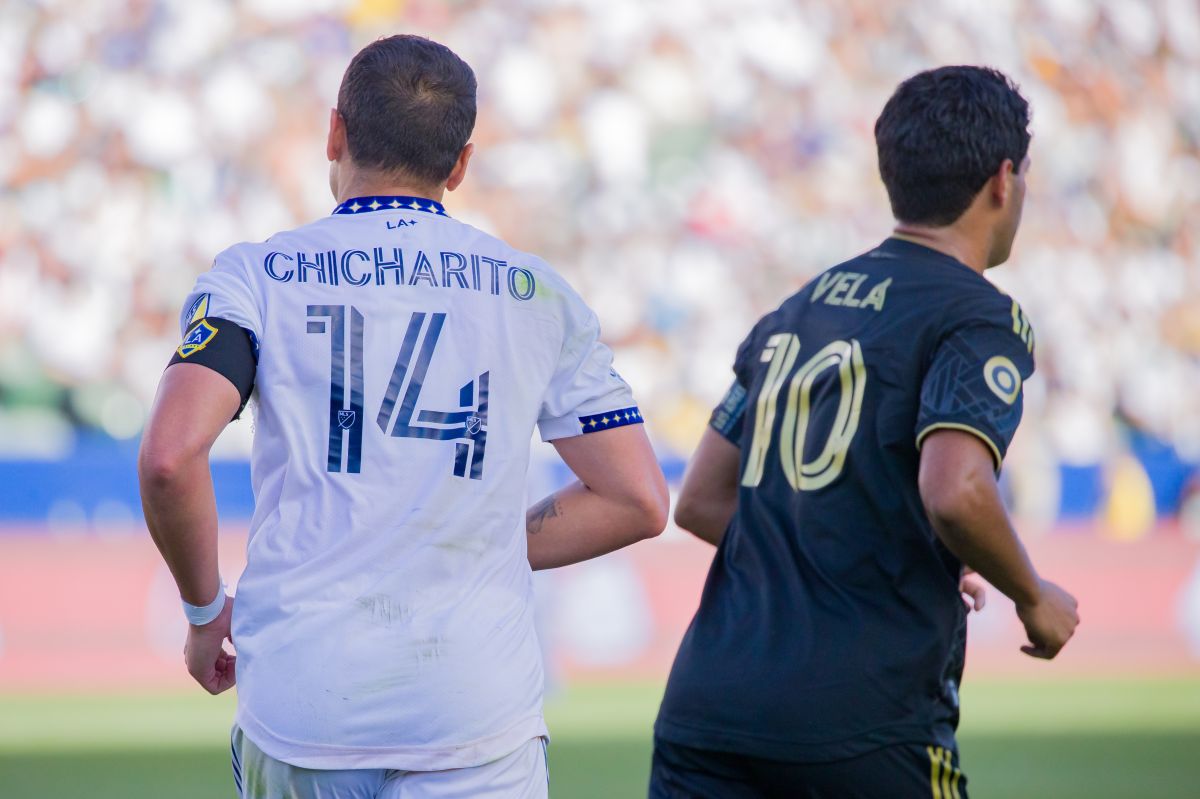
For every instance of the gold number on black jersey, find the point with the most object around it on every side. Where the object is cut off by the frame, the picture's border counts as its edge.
(781, 351)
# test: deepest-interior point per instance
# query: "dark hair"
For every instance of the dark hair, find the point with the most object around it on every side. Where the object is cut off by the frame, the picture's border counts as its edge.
(409, 107)
(942, 135)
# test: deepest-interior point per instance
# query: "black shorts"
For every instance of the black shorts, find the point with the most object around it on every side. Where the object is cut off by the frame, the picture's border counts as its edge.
(903, 771)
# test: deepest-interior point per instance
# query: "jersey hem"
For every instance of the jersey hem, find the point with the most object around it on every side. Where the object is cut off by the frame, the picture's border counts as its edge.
(966, 428)
(795, 752)
(402, 758)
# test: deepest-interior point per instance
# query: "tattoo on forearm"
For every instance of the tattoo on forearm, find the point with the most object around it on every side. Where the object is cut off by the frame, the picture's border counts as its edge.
(548, 508)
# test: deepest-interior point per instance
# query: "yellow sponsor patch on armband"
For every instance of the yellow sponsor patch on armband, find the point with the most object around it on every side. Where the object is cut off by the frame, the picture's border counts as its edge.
(197, 339)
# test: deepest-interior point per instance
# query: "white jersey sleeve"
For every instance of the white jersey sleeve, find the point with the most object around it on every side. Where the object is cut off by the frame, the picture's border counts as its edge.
(585, 394)
(224, 292)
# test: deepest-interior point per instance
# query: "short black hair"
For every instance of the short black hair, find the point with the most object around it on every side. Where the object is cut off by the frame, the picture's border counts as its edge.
(942, 135)
(409, 107)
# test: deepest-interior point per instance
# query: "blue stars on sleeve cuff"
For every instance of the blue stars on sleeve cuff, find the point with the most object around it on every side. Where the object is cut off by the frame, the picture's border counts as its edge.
(610, 419)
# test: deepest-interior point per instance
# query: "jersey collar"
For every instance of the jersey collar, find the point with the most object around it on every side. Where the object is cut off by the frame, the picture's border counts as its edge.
(903, 248)
(364, 205)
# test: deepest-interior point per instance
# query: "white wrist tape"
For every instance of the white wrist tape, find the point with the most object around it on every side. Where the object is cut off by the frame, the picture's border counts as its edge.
(203, 614)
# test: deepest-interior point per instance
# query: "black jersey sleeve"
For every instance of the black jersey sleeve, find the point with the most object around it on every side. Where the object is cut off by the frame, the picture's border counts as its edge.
(748, 353)
(974, 383)
(729, 416)
(224, 347)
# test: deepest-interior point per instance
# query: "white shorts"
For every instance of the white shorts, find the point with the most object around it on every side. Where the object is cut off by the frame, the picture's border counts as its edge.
(520, 775)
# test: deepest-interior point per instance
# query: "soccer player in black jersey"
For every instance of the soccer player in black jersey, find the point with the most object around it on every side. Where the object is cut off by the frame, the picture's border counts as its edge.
(849, 476)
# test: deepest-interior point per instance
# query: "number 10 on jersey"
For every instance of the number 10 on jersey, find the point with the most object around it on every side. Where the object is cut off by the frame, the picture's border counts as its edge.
(466, 426)
(781, 352)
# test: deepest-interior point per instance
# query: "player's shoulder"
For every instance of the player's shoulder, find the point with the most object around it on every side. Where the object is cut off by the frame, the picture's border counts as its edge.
(254, 262)
(550, 289)
(993, 324)
(1006, 312)
(470, 236)
(780, 319)
(978, 301)
(289, 239)
(242, 253)
(845, 285)
(945, 287)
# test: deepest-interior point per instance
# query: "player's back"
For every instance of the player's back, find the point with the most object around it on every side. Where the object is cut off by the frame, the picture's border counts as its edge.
(405, 359)
(830, 622)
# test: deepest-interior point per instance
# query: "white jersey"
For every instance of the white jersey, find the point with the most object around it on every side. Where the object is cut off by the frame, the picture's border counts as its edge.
(385, 616)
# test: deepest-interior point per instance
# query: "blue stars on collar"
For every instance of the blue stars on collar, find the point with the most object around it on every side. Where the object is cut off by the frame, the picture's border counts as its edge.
(363, 205)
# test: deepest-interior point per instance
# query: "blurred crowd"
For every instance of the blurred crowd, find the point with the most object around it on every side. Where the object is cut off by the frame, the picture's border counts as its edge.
(685, 163)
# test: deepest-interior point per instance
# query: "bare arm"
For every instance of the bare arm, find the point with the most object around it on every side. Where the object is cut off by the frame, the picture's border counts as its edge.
(193, 406)
(959, 491)
(958, 488)
(621, 498)
(710, 488)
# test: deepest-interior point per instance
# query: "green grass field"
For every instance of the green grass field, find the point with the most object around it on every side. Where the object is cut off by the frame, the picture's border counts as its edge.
(1087, 739)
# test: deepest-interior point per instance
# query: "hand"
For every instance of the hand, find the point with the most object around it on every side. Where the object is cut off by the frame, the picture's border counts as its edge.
(205, 655)
(1050, 621)
(974, 594)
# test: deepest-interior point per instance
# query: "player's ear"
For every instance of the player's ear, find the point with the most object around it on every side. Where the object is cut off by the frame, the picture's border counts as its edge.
(1000, 185)
(335, 143)
(460, 168)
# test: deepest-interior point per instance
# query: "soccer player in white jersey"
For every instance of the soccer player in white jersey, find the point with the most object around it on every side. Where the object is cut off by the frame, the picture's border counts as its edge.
(400, 360)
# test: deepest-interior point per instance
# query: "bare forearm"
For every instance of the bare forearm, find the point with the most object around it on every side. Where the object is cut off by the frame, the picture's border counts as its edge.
(959, 491)
(709, 495)
(181, 514)
(978, 532)
(193, 405)
(958, 488)
(577, 524)
(707, 518)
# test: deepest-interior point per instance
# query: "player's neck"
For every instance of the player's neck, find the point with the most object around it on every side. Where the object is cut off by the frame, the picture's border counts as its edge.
(362, 184)
(947, 240)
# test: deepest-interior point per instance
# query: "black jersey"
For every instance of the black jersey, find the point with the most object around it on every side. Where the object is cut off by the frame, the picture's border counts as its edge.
(831, 621)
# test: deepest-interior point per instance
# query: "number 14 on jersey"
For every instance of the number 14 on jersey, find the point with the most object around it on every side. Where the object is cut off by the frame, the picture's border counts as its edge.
(466, 426)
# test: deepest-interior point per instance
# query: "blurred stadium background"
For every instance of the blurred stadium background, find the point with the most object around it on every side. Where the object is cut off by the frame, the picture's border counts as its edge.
(687, 165)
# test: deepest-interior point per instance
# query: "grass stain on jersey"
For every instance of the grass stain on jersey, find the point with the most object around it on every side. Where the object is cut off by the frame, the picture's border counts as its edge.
(382, 609)
(469, 546)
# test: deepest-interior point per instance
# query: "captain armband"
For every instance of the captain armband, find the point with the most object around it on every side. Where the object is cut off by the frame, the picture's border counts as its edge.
(224, 347)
